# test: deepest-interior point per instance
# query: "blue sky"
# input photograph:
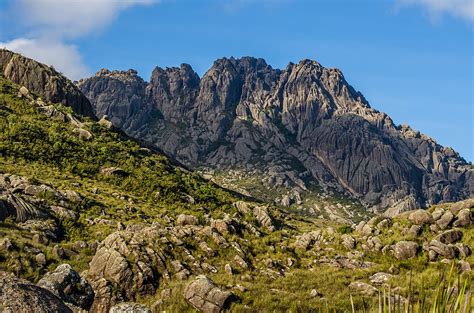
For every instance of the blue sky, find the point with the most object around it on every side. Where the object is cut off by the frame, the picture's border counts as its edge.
(412, 59)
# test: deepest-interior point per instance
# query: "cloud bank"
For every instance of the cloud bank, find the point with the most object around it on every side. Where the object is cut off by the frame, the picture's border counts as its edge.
(436, 8)
(50, 25)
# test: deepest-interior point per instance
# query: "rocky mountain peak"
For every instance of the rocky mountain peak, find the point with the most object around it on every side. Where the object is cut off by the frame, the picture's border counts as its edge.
(296, 127)
(44, 81)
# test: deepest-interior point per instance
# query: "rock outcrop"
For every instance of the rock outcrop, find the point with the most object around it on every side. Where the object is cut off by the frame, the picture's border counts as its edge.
(203, 294)
(294, 126)
(19, 295)
(44, 81)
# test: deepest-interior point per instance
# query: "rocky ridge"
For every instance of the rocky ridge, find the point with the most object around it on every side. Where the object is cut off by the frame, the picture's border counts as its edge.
(292, 128)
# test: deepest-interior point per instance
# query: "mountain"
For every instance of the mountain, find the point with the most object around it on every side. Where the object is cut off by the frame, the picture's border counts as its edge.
(92, 220)
(289, 131)
(45, 81)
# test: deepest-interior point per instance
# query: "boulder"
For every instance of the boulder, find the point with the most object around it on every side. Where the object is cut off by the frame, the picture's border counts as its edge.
(206, 296)
(128, 307)
(445, 220)
(105, 122)
(363, 288)
(307, 240)
(69, 286)
(380, 278)
(5, 244)
(420, 217)
(20, 296)
(263, 217)
(449, 236)
(83, 134)
(442, 249)
(348, 242)
(405, 250)
(463, 218)
(113, 171)
(184, 219)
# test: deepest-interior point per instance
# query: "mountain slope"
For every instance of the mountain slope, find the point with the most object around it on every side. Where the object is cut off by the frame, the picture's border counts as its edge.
(43, 80)
(294, 128)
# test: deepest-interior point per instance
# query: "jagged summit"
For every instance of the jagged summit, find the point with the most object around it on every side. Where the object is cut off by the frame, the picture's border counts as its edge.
(293, 128)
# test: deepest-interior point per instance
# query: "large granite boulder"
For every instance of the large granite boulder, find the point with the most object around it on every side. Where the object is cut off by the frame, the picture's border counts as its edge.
(204, 295)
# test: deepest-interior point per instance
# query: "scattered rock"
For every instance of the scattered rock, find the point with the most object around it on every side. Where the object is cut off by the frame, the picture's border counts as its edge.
(5, 244)
(363, 288)
(445, 220)
(415, 230)
(113, 171)
(19, 295)
(315, 293)
(228, 269)
(184, 219)
(380, 278)
(464, 266)
(69, 286)
(405, 250)
(463, 218)
(105, 122)
(348, 242)
(449, 236)
(442, 249)
(128, 307)
(205, 296)
(40, 259)
(420, 217)
(83, 134)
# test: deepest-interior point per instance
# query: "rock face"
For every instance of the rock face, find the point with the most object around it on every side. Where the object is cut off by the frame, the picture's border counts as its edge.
(19, 295)
(205, 296)
(68, 285)
(293, 126)
(44, 81)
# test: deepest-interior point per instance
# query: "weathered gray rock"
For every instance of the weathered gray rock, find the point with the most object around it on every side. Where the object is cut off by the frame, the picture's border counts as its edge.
(19, 295)
(380, 278)
(449, 236)
(348, 241)
(184, 219)
(307, 240)
(282, 123)
(405, 250)
(363, 288)
(464, 218)
(420, 217)
(206, 296)
(442, 249)
(43, 80)
(444, 221)
(69, 286)
(128, 307)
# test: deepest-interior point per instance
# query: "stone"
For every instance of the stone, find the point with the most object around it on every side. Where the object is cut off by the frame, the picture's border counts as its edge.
(5, 244)
(263, 217)
(113, 171)
(449, 236)
(69, 286)
(228, 269)
(24, 91)
(184, 219)
(415, 230)
(380, 278)
(64, 213)
(128, 307)
(464, 250)
(19, 295)
(421, 217)
(41, 239)
(204, 295)
(315, 293)
(286, 201)
(363, 288)
(405, 250)
(348, 242)
(220, 225)
(444, 221)
(437, 213)
(40, 259)
(241, 262)
(463, 218)
(83, 133)
(105, 122)
(432, 255)
(59, 252)
(307, 240)
(464, 266)
(442, 249)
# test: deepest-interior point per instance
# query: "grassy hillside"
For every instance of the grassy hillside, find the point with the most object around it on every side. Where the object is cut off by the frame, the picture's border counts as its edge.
(110, 185)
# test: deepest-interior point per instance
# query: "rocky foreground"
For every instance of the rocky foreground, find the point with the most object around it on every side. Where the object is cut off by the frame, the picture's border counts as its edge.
(176, 258)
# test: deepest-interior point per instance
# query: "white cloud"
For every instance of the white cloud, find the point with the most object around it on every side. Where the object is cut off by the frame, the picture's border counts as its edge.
(436, 8)
(49, 23)
(64, 57)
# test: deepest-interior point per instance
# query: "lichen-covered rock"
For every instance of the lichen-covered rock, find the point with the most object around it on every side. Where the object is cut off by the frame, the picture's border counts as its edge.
(442, 249)
(380, 278)
(128, 307)
(20, 296)
(307, 240)
(445, 220)
(449, 236)
(405, 249)
(348, 241)
(464, 218)
(420, 217)
(184, 219)
(43, 80)
(68, 285)
(363, 288)
(206, 296)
